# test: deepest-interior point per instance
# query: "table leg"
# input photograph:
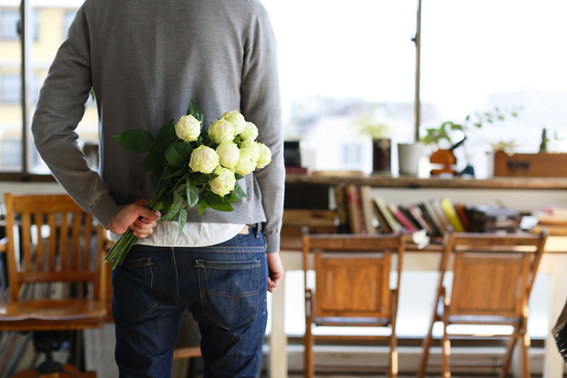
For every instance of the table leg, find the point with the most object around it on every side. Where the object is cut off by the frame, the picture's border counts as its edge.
(553, 362)
(278, 337)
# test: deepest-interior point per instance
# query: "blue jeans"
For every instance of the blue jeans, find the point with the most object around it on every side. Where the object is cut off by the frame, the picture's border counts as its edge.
(223, 286)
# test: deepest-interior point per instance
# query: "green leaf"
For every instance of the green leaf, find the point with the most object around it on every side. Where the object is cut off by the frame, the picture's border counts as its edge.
(178, 154)
(201, 178)
(239, 192)
(195, 111)
(182, 220)
(153, 161)
(202, 206)
(175, 207)
(136, 140)
(192, 192)
(217, 202)
(237, 176)
(166, 135)
(154, 179)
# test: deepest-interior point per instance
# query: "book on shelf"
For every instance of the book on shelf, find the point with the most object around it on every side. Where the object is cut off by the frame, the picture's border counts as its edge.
(406, 223)
(432, 214)
(553, 220)
(419, 217)
(435, 231)
(463, 212)
(451, 215)
(354, 209)
(367, 209)
(343, 226)
(388, 224)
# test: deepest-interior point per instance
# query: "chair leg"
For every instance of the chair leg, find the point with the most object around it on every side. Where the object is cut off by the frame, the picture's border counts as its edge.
(426, 346)
(308, 343)
(446, 351)
(509, 352)
(393, 357)
(525, 354)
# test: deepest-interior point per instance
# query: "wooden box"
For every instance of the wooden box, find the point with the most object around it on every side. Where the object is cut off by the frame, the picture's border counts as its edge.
(530, 165)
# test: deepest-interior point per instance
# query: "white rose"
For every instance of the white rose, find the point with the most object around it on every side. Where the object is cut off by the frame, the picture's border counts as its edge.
(246, 162)
(236, 119)
(221, 131)
(224, 182)
(265, 156)
(228, 154)
(250, 131)
(250, 145)
(203, 159)
(188, 128)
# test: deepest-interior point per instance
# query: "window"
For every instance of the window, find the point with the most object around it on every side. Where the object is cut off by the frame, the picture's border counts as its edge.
(479, 55)
(10, 88)
(55, 18)
(341, 61)
(9, 24)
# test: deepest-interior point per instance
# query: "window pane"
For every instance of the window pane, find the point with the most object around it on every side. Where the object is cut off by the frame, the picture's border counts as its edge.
(340, 61)
(9, 23)
(55, 18)
(10, 91)
(478, 55)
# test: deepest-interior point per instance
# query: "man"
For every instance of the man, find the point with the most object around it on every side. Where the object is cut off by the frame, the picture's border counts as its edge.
(146, 60)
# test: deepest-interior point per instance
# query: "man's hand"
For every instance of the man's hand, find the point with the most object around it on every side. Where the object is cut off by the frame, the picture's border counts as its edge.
(275, 270)
(137, 217)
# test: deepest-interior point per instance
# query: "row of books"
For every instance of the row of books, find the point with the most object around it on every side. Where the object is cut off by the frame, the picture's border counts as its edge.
(361, 212)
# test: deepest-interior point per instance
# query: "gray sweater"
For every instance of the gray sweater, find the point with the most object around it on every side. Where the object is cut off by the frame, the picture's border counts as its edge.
(146, 60)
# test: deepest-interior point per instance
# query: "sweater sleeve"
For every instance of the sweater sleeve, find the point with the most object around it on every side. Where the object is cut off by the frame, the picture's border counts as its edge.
(261, 105)
(60, 108)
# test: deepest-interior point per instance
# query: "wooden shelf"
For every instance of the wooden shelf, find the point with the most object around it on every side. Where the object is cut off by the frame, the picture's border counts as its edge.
(413, 182)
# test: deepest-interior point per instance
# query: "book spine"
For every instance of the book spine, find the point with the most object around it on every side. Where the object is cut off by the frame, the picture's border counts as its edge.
(354, 207)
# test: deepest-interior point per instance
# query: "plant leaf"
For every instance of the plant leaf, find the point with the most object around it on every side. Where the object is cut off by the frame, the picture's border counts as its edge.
(166, 135)
(202, 206)
(136, 140)
(195, 111)
(217, 202)
(174, 208)
(178, 154)
(192, 192)
(237, 194)
(153, 161)
(182, 219)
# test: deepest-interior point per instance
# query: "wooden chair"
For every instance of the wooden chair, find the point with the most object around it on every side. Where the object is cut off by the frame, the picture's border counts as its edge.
(352, 287)
(493, 275)
(54, 252)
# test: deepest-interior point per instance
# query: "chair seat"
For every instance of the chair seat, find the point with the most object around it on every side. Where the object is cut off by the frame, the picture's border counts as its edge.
(53, 314)
(348, 322)
(483, 319)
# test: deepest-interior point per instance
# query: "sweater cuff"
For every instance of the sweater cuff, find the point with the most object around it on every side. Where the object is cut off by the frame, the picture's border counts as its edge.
(105, 210)
(273, 242)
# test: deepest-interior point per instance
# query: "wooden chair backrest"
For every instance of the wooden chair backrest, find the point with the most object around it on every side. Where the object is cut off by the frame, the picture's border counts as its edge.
(493, 274)
(52, 240)
(353, 273)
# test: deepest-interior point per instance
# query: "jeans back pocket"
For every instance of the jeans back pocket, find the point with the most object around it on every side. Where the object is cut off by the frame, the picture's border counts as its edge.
(132, 286)
(229, 291)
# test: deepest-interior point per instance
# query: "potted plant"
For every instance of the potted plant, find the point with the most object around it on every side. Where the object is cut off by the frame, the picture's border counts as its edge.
(380, 133)
(450, 135)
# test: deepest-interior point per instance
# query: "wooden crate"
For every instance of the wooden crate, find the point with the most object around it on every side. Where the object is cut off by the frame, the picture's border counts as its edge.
(530, 165)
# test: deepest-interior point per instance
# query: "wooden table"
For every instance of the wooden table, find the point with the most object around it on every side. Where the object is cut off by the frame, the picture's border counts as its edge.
(554, 263)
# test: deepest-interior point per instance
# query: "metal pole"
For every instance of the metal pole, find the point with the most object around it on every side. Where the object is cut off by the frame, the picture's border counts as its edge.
(417, 101)
(26, 39)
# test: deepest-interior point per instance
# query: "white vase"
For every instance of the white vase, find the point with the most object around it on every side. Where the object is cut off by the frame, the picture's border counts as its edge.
(409, 155)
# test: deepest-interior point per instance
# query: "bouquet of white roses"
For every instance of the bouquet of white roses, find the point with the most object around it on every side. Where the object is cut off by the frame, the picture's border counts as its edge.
(192, 167)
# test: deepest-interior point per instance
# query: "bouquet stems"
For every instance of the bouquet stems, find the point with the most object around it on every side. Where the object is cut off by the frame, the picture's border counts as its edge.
(120, 249)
